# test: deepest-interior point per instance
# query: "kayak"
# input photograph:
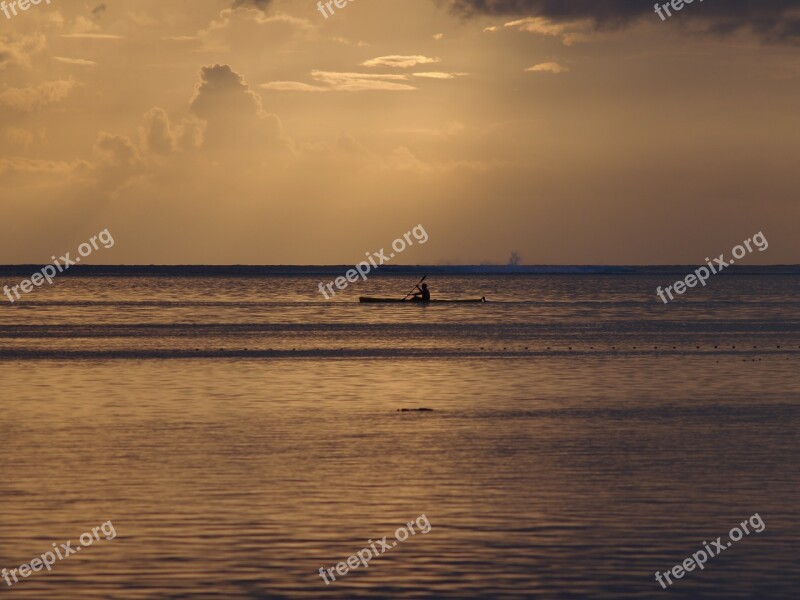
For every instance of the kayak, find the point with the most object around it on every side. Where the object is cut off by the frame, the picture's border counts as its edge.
(461, 301)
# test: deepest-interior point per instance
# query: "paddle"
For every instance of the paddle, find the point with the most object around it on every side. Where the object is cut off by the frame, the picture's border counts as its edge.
(416, 286)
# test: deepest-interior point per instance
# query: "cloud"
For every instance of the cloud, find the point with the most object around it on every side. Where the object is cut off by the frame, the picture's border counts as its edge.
(335, 81)
(773, 20)
(117, 162)
(438, 75)
(98, 11)
(538, 25)
(30, 99)
(403, 159)
(39, 167)
(116, 150)
(569, 32)
(236, 120)
(84, 25)
(347, 143)
(92, 36)
(259, 4)
(343, 40)
(159, 136)
(223, 90)
(294, 86)
(332, 81)
(448, 130)
(399, 61)
(601, 10)
(548, 67)
(360, 82)
(75, 61)
(19, 138)
(438, 36)
(18, 50)
(237, 29)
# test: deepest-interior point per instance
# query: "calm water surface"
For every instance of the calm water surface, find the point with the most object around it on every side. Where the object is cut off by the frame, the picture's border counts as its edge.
(241, 433)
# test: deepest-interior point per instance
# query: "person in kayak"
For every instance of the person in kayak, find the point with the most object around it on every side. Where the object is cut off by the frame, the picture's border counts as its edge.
(423, 295)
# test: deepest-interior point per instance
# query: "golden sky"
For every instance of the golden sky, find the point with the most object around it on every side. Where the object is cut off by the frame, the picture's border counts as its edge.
(262, 132)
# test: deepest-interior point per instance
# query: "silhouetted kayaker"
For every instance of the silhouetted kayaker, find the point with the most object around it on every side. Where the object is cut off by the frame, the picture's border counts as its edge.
(423, 295)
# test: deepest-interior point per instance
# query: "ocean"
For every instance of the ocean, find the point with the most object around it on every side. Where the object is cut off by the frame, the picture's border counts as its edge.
(242, 432)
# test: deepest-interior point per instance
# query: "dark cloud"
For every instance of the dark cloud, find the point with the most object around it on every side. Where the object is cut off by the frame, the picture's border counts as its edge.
(262, 4)
(98, 11)
(601, 11)
(223, 90)
(772, 20)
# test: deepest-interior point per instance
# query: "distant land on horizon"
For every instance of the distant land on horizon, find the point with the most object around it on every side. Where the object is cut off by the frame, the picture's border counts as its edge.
(25, 270)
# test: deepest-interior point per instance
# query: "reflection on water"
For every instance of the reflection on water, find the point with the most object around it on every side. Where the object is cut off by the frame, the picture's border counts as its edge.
(240, 479)
(553, 475)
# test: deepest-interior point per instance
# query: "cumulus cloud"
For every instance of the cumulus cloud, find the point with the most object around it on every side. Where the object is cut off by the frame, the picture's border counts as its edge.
(116, 150)
(30, 99)
(117, 162)
(221, 89)
(157, 135)
(399, 61)
(548, 67)
(773, 21)
(160, 136)
(235, 118)
(18, 50)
